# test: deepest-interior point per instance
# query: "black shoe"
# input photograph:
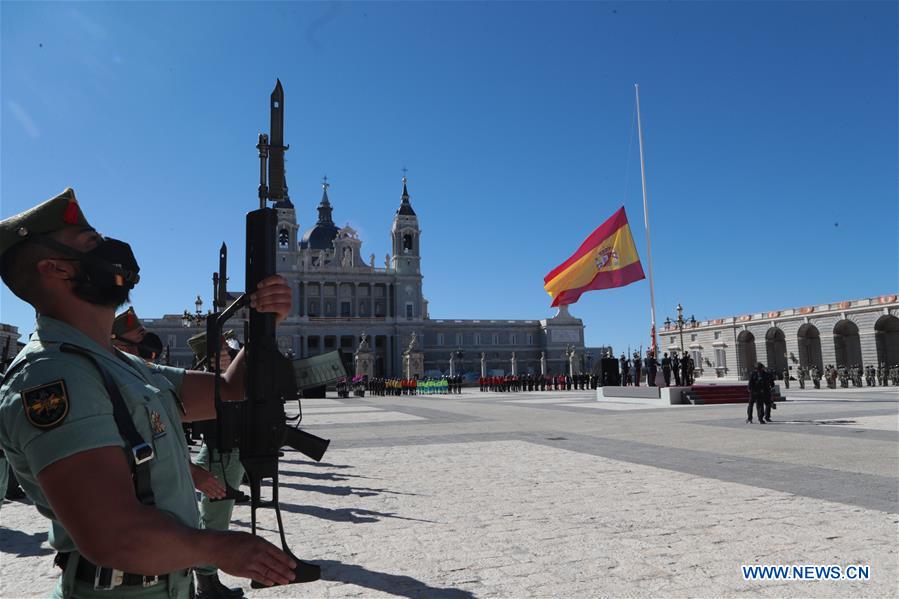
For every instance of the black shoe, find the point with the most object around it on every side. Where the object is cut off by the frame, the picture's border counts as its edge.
(14, 492)
(749, 421)
(761, 422)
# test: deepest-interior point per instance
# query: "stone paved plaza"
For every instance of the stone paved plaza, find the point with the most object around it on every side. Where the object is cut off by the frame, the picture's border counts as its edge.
(555, 495)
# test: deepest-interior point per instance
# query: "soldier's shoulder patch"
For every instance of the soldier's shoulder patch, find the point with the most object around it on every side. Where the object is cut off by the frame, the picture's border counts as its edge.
(46, 406)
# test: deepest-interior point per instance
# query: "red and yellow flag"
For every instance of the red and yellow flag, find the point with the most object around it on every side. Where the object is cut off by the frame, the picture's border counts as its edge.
(607, 258)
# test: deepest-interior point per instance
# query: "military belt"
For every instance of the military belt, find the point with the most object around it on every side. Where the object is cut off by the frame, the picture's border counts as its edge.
(107, 578)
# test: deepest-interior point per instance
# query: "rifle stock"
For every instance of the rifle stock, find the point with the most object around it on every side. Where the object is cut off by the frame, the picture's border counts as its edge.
(306, 443)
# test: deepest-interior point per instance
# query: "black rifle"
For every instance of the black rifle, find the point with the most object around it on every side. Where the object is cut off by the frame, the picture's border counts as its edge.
(258, 426)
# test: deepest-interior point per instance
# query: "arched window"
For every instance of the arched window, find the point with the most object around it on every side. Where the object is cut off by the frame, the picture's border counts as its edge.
(283, 238)
(407, 243)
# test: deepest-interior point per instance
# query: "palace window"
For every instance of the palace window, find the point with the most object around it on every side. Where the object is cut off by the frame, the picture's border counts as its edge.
(530, 339)
(172, 341)
(513, 339)
(440, 339)
(408, 311)
(345, 309)
(458, 338)
(720, 357)
(717, 334)
(313, 308)
(477, 338)
(495, 339)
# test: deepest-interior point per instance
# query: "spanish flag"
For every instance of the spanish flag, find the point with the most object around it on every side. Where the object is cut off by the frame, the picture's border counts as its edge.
(607, 258)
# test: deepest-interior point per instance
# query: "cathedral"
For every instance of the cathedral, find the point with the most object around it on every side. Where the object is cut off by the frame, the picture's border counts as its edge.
(339, 295)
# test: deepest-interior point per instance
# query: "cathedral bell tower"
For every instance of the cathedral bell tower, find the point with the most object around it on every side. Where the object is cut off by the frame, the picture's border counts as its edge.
(405, 233)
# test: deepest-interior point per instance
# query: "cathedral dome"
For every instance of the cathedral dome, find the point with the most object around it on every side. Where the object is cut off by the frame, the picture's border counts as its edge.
(321, 236)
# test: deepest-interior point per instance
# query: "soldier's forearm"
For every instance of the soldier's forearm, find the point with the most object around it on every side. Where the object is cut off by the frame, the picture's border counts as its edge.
(198, 390)
(157, 544)
(233, 386)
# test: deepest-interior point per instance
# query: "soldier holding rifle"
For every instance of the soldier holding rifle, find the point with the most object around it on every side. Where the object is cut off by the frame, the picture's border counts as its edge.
(70, 403)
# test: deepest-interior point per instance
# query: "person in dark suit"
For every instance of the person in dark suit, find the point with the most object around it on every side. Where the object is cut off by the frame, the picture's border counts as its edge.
(760, 385)
(666, 369)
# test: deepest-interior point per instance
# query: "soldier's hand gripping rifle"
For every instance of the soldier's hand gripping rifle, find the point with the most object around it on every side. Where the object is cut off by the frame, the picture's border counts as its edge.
(258, 426)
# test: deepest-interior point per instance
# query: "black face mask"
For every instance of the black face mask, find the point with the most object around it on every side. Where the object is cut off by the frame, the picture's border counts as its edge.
(106, 274)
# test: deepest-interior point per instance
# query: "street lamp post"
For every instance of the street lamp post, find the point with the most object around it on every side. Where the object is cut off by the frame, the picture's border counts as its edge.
(188, 319)
(680, 323)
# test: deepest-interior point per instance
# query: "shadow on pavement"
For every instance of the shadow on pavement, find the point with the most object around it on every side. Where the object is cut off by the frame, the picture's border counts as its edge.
(815, 422)
(393, 584)
(333, 476)
(352, 515)
(310, 462)
(347, 490)
(22, 544)
(358, 491)
(247, 525)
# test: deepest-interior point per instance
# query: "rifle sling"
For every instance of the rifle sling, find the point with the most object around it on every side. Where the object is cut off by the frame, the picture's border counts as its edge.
(137, 449)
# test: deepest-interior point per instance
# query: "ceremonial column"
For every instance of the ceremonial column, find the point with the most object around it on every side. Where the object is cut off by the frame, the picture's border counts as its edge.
(363, 358)
(413, 359)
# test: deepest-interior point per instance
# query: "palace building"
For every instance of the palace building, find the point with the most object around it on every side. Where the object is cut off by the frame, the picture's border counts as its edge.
(845, 333)
(340, 294)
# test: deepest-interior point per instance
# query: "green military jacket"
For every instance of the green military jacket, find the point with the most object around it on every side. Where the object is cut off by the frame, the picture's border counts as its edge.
(55, 405)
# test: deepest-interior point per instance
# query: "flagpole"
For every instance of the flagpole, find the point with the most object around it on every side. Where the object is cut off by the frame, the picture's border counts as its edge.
(652, 300)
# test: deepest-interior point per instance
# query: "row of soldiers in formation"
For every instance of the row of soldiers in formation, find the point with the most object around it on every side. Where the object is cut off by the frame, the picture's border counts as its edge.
(873, 376)
(382, 386)
(633, 370)
(537, 382)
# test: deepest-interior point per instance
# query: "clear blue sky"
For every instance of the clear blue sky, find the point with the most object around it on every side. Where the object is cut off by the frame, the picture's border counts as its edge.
(771, 134)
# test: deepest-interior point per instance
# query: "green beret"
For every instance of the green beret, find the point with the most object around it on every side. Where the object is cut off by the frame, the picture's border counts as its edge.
(51, 216)
(197, 343)
(125, 322)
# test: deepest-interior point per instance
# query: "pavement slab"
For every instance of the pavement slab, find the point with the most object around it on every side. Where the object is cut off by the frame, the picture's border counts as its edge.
(481, 495)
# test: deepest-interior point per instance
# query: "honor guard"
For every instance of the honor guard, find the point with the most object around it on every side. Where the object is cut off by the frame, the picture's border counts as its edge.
(215, 510)
(73, 408)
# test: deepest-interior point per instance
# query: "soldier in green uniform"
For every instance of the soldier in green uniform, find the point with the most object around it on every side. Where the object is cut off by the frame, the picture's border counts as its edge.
(216, 515)
(93, 434)
(130, 336)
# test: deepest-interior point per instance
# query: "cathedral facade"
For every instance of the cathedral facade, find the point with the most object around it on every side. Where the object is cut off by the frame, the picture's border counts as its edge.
(339, 294)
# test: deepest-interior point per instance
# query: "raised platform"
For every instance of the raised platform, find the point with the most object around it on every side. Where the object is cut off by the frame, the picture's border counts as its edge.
(704, 394)
(661, 396)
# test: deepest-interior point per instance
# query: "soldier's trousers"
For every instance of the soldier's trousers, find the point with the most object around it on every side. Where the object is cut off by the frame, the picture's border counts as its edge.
(216, 515)
(759, 405)
(4, 477)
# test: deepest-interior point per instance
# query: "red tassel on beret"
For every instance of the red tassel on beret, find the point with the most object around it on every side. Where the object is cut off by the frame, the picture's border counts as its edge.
(70, 216)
